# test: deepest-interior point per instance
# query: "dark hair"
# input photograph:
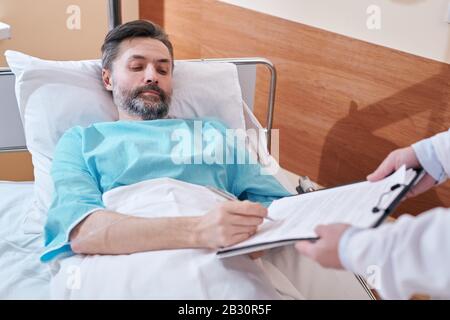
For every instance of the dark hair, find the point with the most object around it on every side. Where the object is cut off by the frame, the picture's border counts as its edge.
(130, 30)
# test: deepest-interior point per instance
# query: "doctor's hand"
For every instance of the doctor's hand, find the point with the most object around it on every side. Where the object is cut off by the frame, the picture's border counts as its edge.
(229, 223)
(397, 158)
(324, 250)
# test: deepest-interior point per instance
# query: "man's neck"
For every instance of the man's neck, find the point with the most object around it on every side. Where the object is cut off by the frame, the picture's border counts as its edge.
(127, 117)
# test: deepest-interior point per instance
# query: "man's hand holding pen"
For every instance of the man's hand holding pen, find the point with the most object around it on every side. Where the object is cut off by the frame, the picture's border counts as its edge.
(230, 222)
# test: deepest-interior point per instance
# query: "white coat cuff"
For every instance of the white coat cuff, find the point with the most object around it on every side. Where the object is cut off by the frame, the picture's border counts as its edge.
(344, 244)
(428, 159)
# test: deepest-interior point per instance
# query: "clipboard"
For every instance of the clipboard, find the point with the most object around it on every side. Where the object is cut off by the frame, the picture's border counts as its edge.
(385, 212)
(420, 172)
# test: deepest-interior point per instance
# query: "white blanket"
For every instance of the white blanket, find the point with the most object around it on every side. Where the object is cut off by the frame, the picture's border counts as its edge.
(166, 274)
(22, 275)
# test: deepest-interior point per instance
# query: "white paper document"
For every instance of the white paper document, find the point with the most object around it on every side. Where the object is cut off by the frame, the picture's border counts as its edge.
(296, 217)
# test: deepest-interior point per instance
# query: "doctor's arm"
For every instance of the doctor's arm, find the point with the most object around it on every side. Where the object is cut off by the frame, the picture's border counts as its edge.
(410, 256)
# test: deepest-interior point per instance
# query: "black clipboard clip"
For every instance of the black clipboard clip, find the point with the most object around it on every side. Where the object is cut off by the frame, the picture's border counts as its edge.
(377, 208)
(406, 187)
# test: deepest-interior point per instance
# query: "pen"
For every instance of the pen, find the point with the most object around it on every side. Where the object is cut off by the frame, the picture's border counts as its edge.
(229, 196)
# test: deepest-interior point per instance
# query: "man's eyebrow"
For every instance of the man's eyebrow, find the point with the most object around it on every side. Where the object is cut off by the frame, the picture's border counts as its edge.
(139, 57)
(163, 60)
(136, 57)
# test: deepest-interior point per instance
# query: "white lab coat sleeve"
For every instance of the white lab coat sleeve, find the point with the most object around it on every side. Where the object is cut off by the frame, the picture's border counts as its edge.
(410, 256)
(441, 144)
(433, 154)
(428, 159)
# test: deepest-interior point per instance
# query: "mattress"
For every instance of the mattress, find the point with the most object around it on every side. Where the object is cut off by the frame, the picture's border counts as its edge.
(22, 276)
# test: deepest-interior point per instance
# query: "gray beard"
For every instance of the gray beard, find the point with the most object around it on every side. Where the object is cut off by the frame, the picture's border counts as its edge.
(135, 105)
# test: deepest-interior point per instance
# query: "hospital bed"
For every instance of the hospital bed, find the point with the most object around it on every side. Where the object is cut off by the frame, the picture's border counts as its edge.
(23, 276)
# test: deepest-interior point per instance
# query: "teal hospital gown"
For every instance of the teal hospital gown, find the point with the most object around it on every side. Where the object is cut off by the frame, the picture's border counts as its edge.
(91, 161)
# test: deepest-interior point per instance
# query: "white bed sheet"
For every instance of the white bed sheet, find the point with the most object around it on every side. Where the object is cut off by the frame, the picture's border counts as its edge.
(22, 276)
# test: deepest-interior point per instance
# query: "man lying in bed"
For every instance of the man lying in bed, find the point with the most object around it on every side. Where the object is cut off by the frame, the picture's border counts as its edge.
(137, 67)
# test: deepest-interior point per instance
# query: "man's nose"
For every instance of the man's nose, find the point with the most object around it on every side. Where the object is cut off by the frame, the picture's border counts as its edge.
(151, 76)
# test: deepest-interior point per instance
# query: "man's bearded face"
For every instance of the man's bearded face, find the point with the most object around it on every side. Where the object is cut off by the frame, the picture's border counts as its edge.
(148, 102)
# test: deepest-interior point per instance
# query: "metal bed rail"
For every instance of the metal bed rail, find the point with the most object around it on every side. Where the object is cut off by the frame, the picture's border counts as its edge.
(272, 89)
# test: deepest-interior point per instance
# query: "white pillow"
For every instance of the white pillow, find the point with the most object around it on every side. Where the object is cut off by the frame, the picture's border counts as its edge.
(54, 96)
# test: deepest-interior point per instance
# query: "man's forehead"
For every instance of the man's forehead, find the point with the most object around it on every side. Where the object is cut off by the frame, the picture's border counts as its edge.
(144, 49)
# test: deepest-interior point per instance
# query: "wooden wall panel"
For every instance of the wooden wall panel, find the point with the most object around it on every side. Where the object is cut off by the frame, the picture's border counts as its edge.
(188, 42)
(16, 166)
(342, 104)
(154, 10)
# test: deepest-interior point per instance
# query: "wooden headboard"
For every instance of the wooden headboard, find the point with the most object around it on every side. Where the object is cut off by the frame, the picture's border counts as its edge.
(342, 104)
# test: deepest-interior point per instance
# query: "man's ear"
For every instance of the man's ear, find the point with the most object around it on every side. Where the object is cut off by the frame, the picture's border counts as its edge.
(107, 79)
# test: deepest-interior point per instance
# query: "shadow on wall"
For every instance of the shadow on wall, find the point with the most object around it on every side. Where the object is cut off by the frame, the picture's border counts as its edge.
(402, 106)
(348, 165)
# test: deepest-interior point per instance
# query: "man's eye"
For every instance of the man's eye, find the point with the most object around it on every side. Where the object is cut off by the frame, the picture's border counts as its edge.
(163, 72)
(136, 68)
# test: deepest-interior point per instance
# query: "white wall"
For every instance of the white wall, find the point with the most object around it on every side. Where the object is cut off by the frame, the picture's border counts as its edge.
(414, 26)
